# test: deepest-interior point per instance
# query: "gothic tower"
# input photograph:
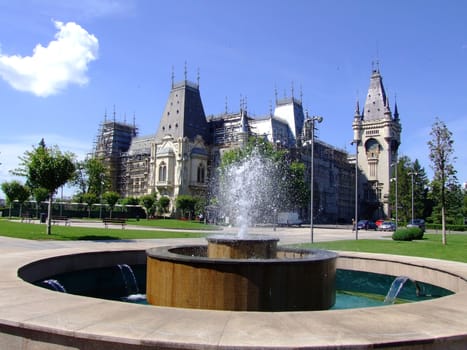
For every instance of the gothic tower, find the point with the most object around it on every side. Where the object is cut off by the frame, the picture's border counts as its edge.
(180, 151)
(377, 132)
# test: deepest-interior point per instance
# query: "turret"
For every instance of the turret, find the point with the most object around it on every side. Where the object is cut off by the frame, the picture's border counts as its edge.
(357, 124)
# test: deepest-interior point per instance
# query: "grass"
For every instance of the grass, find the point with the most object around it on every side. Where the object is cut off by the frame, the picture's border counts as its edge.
(429, 247)
(17, 229)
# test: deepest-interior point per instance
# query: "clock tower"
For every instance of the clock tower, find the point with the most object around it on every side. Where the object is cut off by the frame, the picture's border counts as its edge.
(377, 131)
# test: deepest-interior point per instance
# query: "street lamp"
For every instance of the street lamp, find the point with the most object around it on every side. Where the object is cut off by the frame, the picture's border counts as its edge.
(412, 174)
(394, 179)
(356, 142)
(101, 176)
(312, 121)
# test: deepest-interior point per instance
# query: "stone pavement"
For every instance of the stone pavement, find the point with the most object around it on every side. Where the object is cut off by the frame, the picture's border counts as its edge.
(33, 318)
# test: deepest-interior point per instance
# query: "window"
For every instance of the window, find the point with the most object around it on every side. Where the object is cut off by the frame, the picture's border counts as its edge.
(162, 172)
(201, 173)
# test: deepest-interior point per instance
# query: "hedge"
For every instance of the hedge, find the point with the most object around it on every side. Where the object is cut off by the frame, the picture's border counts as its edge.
(407, 234)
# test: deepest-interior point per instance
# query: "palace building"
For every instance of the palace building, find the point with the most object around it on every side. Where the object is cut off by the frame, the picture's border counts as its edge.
(183, 154)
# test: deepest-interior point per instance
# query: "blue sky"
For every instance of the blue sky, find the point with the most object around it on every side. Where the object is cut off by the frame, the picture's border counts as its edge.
(64, 64)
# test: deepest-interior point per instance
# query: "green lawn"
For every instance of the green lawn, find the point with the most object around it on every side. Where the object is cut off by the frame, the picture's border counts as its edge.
(429, 247)
(60, 232)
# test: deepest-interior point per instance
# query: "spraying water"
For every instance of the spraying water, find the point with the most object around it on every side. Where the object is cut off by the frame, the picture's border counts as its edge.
(248, 191)
(397, 286)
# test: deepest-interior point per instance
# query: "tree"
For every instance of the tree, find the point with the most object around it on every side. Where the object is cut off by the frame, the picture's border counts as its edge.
(111, 198)
(47, 168)
(148, 202)
(40, 194)
(405, 170)
(186, 204)
(90, 199)
(15, 191)
(163, 204)
(92, 176)
(441, 148)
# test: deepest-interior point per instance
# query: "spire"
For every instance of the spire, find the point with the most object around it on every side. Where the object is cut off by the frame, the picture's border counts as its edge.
(376, 104)
(357, 110)
(396, 112)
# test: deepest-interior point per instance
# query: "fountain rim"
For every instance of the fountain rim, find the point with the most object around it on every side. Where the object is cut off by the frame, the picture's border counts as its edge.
(167, 253)
(359, 335)
(249, 238)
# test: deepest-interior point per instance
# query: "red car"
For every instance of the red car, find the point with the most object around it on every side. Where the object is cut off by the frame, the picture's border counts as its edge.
(379, 222)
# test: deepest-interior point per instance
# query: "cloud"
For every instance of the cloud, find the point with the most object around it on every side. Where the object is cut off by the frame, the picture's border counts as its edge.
(51, 69)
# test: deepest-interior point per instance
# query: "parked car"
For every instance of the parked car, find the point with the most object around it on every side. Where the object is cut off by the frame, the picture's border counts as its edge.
(379, 222)
(288, 219)
(366, 225)
(387, 226)
(420, 223)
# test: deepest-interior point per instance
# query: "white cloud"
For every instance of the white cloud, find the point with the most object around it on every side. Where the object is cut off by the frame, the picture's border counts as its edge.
(51, 69)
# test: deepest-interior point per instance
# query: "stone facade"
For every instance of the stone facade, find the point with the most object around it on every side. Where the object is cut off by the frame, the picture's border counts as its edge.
(185, 151)
(377, 131)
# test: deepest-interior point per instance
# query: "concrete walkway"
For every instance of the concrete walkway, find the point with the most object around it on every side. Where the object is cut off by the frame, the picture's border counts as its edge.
(33, 318)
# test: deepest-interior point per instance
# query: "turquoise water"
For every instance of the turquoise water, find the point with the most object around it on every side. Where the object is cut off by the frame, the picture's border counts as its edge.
(354, 289)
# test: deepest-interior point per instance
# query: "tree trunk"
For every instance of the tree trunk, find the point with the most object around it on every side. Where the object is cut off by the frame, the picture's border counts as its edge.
(443, 224)
(49, 214)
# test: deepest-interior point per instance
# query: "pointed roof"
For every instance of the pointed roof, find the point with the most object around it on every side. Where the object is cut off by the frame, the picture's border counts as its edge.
(376, 104)
(184, 113)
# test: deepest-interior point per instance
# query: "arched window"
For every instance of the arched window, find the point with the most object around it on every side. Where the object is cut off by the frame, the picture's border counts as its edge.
(201, 173)
(162, 172)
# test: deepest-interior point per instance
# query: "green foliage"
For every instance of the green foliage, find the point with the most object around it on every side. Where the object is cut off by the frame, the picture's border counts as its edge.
(111, 198)
(149, 204)
(92, 176)
(40, 194)
(407, 234)
(14, 190)
(163, 204)
(406, 169)
(255, 144)
(46, 168)
(441, 153)
(130, 201)
(295, 191)
(89, 199)
(186, 204)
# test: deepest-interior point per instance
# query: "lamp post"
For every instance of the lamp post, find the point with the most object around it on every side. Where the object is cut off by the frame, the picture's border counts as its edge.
(101, 176)
(412, 174)
(394, 179)
(312, 121)
(356, 142)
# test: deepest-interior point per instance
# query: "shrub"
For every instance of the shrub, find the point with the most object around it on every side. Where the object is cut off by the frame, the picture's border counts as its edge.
(407, 234)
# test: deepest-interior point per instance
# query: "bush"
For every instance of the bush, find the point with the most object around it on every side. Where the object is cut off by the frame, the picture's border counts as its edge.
(407, 234)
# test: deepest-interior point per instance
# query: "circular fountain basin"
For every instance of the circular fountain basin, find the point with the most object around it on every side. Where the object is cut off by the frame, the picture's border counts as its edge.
(288, 280)
(247, 247)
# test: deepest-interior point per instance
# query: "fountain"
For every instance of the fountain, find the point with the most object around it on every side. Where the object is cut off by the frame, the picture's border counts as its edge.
(242, 272)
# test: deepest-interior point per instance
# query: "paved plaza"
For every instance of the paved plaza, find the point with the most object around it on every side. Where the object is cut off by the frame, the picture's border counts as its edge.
(33, 318)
